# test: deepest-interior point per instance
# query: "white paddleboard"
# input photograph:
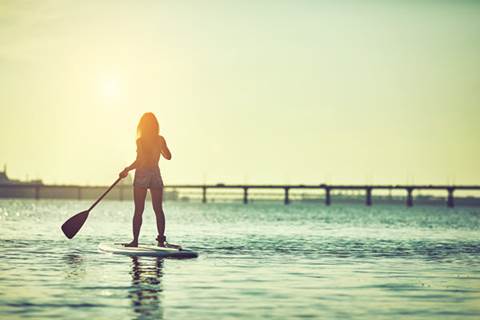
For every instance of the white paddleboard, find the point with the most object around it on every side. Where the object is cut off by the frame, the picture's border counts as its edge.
(146, 250)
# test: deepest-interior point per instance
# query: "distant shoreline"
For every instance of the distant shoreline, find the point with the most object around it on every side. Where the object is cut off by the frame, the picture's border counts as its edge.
(221, 193)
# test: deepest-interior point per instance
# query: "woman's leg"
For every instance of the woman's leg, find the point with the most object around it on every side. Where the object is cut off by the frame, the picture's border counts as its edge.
(139, 195)
(157, 199)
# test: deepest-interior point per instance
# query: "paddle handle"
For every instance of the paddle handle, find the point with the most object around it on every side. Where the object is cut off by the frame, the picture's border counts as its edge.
(104, 194)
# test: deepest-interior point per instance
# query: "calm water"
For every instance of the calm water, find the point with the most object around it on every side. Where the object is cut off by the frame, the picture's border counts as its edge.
(256, 261)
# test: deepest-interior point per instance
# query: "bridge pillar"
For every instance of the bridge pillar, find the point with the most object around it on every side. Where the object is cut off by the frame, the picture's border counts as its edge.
(450, 199)
(204, 194)
(409, 197)
(245, 195)
(287, 200)
(368, 194)
(327, 197)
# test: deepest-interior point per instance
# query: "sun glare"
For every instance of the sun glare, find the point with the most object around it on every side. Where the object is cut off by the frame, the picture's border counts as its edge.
(110, 88)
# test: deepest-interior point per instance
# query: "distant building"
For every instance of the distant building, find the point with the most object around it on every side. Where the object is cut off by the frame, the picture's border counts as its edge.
(5, 180)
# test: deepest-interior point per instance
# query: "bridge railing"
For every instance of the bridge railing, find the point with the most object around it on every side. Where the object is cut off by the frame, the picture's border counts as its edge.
(122, 192)
(368, 189)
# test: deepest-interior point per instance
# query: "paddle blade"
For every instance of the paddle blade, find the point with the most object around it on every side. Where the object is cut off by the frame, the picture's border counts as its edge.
(74, 224)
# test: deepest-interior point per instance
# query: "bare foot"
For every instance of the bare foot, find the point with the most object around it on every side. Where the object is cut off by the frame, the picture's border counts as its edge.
(131, 244)
(161, 244)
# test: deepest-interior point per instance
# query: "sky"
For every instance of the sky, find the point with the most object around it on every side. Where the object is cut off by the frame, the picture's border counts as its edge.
(245, 91)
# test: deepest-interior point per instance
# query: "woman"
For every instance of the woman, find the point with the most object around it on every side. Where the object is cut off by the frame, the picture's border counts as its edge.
(150, 145)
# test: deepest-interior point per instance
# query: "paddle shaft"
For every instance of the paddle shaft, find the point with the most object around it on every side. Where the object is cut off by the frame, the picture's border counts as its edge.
(104, 194)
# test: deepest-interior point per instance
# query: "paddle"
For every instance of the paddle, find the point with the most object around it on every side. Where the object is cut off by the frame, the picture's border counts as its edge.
(73, 225)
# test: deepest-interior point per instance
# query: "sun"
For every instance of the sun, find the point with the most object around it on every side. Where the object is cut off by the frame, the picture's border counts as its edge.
(110, 88)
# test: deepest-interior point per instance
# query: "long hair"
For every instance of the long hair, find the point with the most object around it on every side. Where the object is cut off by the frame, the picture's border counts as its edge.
(148, 127)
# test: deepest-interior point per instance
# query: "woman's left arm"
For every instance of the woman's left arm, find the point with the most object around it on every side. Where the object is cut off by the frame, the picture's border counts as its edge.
(125, 171)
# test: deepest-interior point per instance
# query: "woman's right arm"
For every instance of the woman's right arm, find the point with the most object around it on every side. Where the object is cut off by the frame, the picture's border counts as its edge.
(164, 149)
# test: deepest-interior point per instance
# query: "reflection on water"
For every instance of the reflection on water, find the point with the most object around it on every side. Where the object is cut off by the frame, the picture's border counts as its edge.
(264, 261)
(145, 292)
(75, 264)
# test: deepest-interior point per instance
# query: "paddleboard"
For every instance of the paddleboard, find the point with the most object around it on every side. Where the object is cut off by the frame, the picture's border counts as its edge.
(146, 250)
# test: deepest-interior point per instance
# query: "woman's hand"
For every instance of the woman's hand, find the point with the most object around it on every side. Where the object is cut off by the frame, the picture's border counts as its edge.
(123, 174)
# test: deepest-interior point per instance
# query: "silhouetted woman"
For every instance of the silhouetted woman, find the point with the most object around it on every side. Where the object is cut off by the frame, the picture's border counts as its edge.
(150, 145)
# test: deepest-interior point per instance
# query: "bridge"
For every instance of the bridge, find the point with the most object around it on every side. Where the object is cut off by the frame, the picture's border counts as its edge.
(450, 189)
(120, 192)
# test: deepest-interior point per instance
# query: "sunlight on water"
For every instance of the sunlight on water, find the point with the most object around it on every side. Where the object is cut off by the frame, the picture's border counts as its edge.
(256, 261)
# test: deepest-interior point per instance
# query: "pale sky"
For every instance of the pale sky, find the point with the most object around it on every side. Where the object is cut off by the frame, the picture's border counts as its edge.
(245, 91)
